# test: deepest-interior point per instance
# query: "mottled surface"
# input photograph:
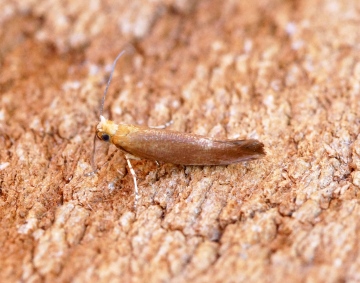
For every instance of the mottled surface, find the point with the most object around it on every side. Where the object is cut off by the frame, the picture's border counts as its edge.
(284, 72)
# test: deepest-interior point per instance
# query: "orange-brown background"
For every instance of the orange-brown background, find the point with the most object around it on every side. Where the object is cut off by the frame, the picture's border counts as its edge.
(284, 72)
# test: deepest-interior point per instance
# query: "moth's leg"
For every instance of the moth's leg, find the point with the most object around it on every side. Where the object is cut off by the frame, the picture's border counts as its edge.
(132, 171)
(162, 126)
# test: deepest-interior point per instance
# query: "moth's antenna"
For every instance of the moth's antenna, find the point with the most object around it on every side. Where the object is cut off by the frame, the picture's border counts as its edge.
(102, 110)
(109, 81)
(93, 156)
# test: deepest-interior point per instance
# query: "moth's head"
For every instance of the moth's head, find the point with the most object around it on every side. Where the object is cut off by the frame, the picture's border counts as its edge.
(106, 129)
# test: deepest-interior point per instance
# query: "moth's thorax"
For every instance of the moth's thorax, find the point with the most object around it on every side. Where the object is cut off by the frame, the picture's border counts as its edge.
(107, 126)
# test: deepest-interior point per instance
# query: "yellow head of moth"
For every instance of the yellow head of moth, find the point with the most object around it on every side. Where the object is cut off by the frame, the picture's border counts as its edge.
(106, 129)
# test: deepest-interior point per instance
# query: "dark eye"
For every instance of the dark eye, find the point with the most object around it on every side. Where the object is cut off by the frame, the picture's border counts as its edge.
(105, 137)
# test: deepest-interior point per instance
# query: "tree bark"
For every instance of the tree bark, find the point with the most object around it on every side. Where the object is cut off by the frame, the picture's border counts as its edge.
(283, 72)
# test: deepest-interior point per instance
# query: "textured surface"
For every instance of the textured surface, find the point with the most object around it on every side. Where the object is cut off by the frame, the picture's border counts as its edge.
(284, 72)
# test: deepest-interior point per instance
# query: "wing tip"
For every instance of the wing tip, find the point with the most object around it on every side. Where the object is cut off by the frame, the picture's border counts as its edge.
(256, 147)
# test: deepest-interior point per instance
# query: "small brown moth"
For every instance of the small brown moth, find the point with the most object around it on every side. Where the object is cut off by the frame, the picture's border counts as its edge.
(158, 144)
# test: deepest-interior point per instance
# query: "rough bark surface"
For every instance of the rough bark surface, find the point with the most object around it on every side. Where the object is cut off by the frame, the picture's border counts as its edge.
(284, 72)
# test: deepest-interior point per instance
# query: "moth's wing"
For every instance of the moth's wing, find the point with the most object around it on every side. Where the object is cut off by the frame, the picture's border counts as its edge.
(187, 149)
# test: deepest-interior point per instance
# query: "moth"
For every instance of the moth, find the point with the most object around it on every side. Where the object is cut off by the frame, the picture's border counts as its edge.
(159, 144)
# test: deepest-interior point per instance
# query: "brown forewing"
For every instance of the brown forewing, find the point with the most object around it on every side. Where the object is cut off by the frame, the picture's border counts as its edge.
(183, 148)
